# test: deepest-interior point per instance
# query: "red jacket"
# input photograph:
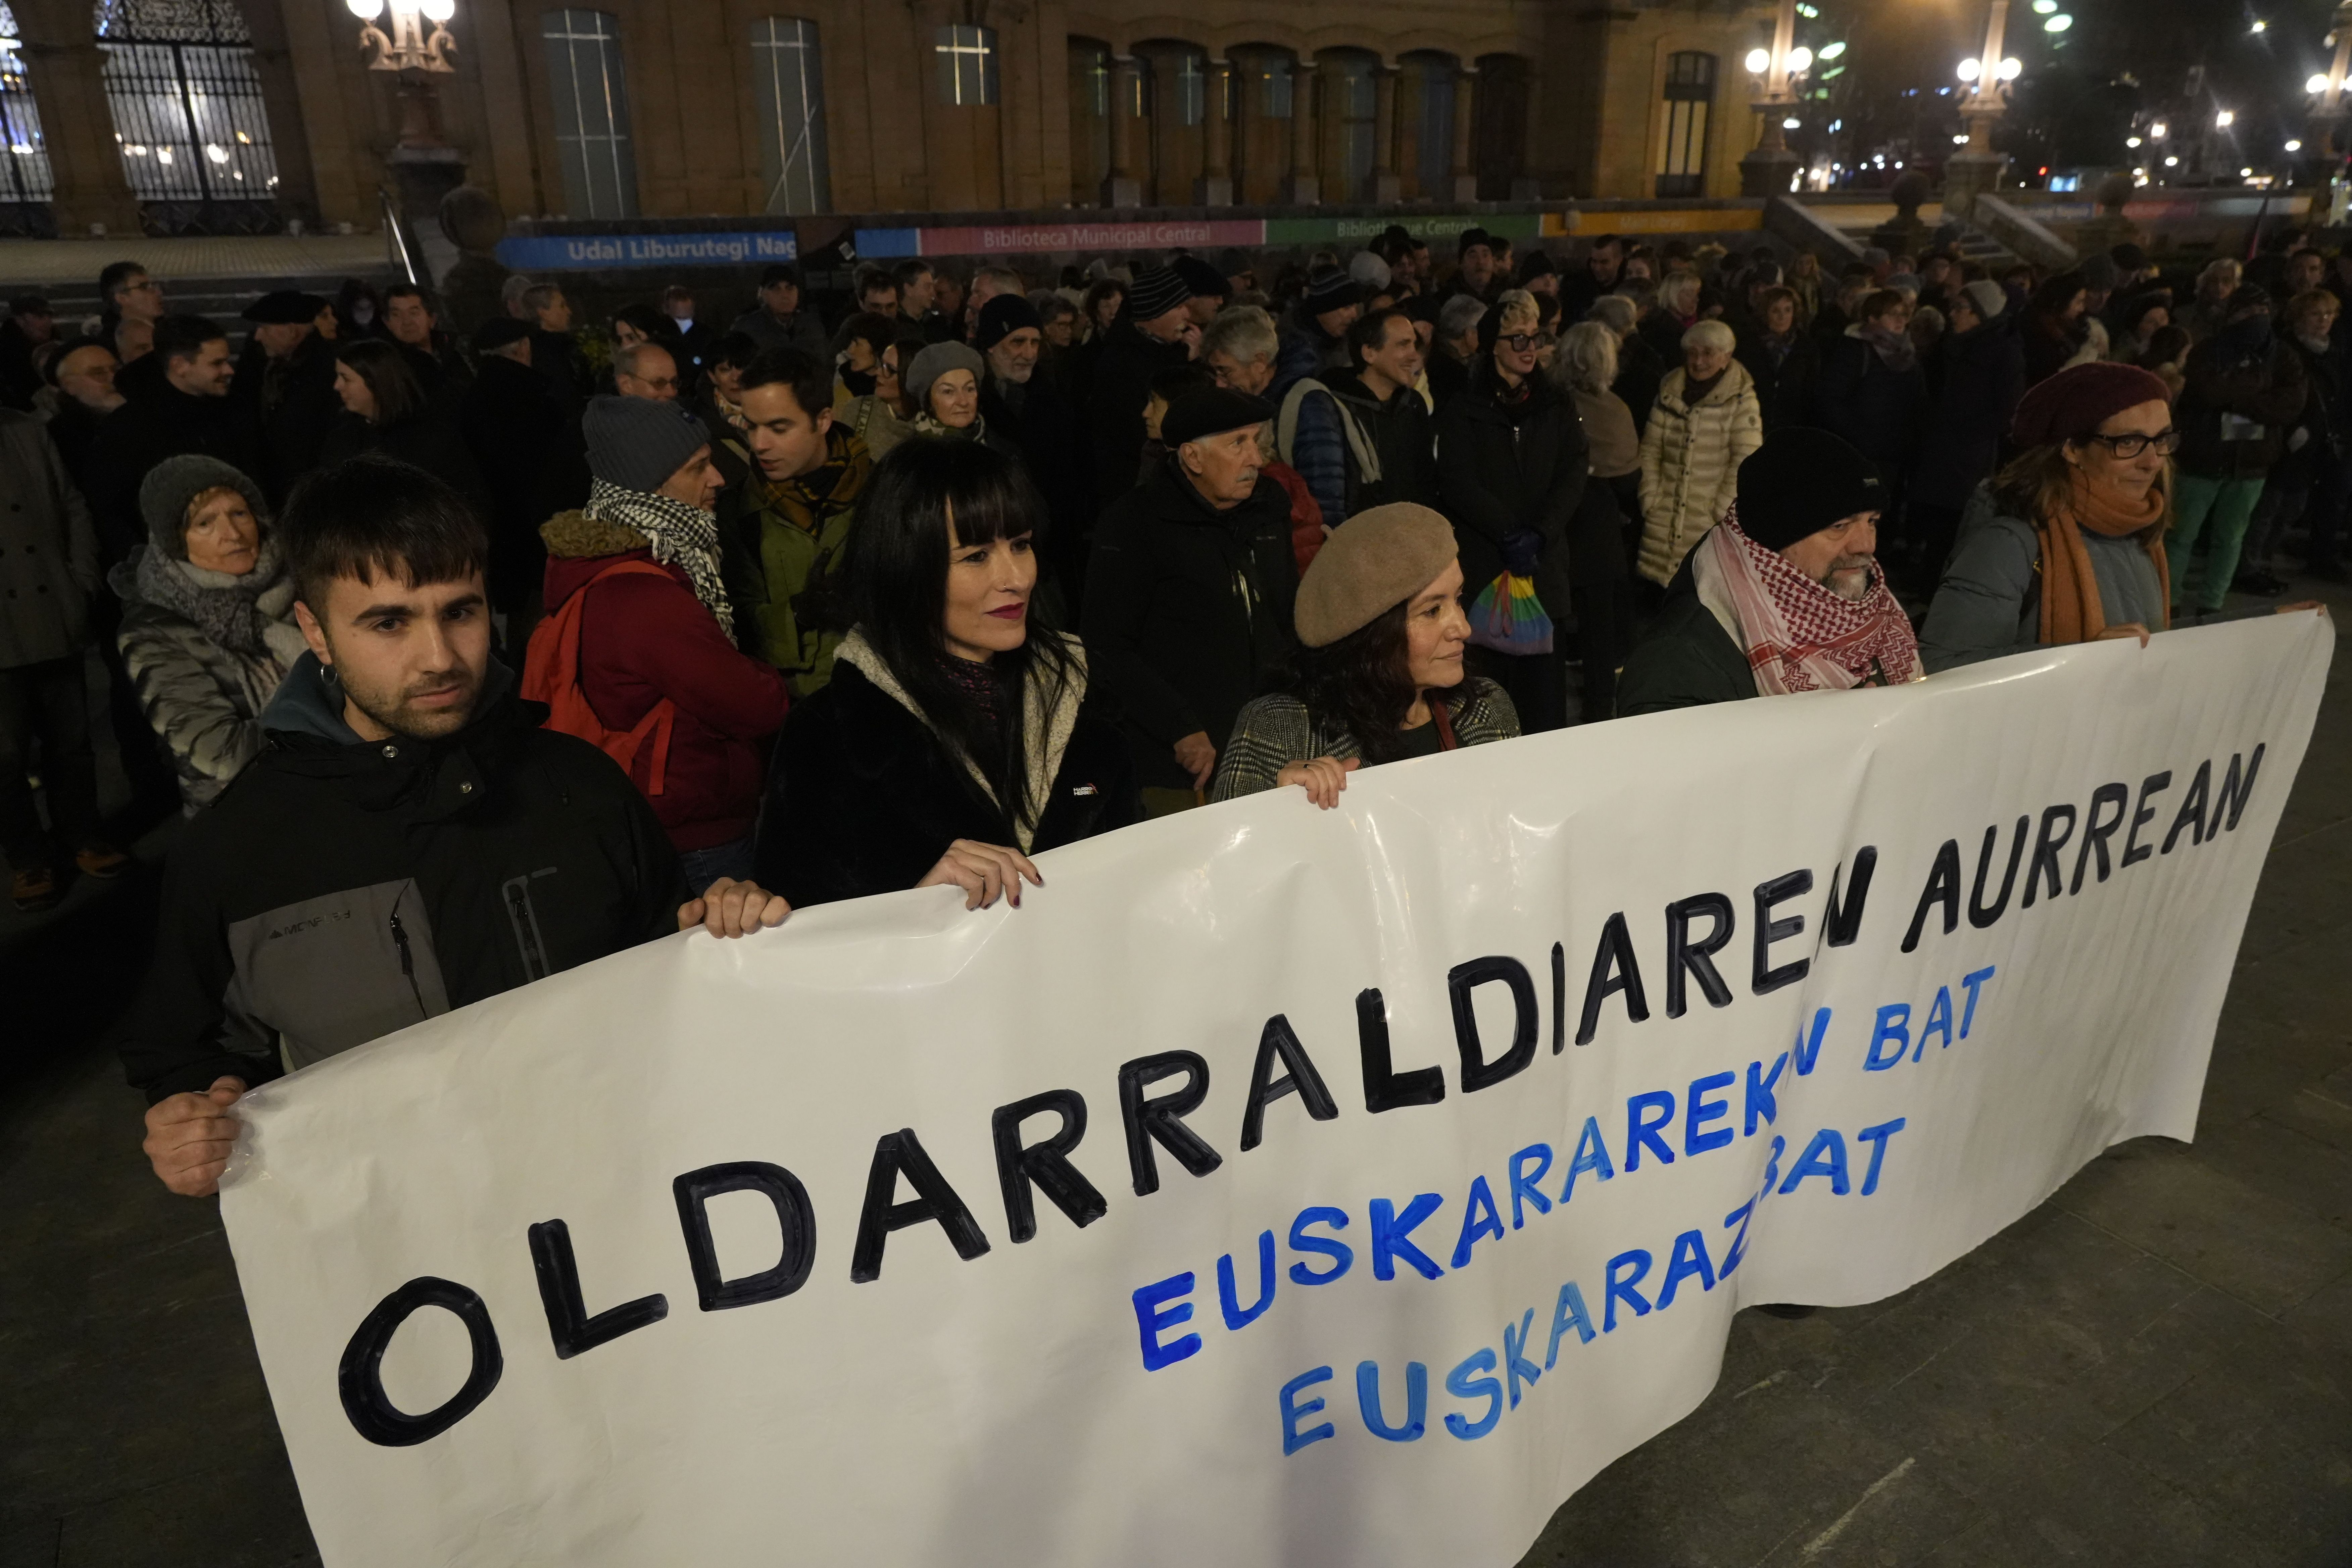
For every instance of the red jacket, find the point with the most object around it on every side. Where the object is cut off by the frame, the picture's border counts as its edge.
(644, 638)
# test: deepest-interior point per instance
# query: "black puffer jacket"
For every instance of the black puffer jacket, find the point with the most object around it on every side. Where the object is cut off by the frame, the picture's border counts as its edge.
(1511, 468)
(1187, 609)
(864, 798)
(2236, 411)
(1982, 377)
(341, 889)
(1119, 383)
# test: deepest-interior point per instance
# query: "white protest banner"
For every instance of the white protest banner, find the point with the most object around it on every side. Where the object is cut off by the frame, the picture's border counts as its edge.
(1273, 1186)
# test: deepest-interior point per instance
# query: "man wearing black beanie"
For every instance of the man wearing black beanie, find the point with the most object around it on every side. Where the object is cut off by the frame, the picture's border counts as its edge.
(1785, 593)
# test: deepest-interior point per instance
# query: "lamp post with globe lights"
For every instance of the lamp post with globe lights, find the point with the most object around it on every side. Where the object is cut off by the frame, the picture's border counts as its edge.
(2323, 149)
(1772, 168)
(1976, 169)
(414, 43)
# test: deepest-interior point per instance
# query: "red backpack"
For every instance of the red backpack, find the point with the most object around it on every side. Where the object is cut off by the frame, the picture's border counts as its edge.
(551, 674)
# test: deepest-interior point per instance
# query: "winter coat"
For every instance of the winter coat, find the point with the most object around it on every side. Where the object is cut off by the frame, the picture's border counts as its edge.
(203, 695)
(802, 330)
(49, 548)
(1187, 609)
(1121, 383)
(429, 439)
(1616, 446)
(1690, 465)
(1303, 349)
(533, 461)
(1039, 419)
(1687, 659)
(293, 405)
(1510, 471)
(783, 545)
(1354, 450)
(1278, 730)
(1989, 602)
(865, 796)
(1784, 381)
(2048, 344)
(644, 638)
(1879, 409)
(2236, 410)
(160, 421)
(74, 427)
(2322, 424)
(1983, 376)
(342, 889)
(1640, 374)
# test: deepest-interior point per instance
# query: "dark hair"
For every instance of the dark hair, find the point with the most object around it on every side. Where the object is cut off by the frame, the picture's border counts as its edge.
(872, 327)
(810, 378)
(777, 272)
(384, 368)
(906, 271)
(735, 350)
(2058, 292)
(184, 337)
(673, 293)
(896, 572)
(649, 323)
(111, 279)
(2164, 346)
(1879, 301)
(1171, 382)
(1363, 683)
(1365, 332)
(373, 516)
(1100, 289)
(407, 292)
(1602, 242)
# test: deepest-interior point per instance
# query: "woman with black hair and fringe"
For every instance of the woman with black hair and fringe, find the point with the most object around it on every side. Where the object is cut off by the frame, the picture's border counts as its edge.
(1378, 675)
(957, 737)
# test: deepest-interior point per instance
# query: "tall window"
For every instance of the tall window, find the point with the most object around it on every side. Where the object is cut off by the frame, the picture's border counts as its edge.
(790, 82)
(24, 167)
(1683, 117)
(1276, 79)
(1354, 101)
(1434, 141)
(967, 57)
(592, 112)
(187, 110)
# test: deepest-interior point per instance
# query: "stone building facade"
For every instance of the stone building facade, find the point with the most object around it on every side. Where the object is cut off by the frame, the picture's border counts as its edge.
(206, 114)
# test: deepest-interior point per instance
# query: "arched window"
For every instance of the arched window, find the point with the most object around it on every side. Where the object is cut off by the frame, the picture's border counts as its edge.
(188, 113)
(592, 112)
(789, 81)
(24, 166)
(1431, 79)
(1683, 117)
(1351, 121)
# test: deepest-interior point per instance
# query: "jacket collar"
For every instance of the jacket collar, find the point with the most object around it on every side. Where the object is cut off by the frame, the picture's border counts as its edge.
(1049, 715)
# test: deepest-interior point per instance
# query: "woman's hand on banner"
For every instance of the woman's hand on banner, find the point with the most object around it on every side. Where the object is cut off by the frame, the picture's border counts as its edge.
(2128, 629)
(1197, 756)
(2303, 604)
(984, 871)
(729, 907)
(190, 1137)
(1322, 778)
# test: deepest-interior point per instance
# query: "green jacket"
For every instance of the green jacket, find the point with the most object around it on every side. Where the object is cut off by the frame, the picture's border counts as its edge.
(784, 545)
(1687, 660)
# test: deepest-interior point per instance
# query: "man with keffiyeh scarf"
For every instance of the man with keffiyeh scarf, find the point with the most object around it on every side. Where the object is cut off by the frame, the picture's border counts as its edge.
(1785, 593)
(657, 627)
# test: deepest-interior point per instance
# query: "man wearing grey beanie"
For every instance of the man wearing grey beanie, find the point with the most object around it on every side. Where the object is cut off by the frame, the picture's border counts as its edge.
(633, 580)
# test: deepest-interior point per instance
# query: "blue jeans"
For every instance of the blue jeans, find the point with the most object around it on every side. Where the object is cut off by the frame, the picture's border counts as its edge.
(704, 867)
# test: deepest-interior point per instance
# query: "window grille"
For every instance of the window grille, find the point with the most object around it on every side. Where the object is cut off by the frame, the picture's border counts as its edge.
(789, 85)
(585, 79)
(967, 57)
(1682, 146)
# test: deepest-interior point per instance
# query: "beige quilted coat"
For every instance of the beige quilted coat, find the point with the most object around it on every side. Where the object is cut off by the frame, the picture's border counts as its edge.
(1690, 465)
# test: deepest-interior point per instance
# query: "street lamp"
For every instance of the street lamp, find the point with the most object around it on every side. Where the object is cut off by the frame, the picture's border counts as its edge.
(2224, 120)
(415, 47)
(1987, 74)
(1768, 170)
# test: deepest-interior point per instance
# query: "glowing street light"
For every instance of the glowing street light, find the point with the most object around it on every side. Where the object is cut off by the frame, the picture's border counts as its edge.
(1970, 68)
(2318, 84)
(1759, 61)
(2224, 120)
(2157, 131)
(1831, 51)
(2131, 140)
(2058, 23)
(1800, 60)
(2009, 68)
(2295, 146)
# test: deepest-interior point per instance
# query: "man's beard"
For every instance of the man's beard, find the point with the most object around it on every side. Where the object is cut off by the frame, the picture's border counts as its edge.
(1849, 577)
(393, 711)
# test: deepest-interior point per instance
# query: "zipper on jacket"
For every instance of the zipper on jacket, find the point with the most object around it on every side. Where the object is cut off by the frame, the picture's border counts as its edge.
(526, 929)
(408, 965)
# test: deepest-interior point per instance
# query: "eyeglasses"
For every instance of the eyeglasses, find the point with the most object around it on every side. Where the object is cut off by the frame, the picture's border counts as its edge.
(2166, 443)
(1520, 342)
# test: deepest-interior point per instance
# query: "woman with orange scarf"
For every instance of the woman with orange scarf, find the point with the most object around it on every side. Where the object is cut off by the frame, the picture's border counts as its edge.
(2066, 543)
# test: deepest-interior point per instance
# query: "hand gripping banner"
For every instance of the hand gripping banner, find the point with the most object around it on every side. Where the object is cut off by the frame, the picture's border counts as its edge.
(1275, 1186)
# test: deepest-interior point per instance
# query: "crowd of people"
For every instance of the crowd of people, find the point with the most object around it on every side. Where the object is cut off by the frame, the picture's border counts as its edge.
(903, 594)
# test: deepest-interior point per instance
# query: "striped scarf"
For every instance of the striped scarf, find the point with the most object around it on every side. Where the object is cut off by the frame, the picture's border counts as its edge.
(682, 536)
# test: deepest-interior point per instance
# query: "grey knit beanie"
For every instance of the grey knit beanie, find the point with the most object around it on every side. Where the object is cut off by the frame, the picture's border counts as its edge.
(1988, 298)
(638, 442)
(172, 484)
(934, 363)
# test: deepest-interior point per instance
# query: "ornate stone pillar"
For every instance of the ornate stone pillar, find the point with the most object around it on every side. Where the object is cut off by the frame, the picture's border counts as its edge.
(1465, 177)
(1123, 189)
(1216, 187)
(1387, 189)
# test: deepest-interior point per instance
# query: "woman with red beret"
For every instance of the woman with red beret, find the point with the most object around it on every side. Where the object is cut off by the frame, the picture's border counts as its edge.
(2066, 543)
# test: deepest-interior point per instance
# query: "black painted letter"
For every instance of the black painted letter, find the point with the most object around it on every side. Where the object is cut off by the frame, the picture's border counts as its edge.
(936, 1200)
(1047, 1164)
(1477, 1072)
(795, 1220)
(360, 1378)
(1163, 1119)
